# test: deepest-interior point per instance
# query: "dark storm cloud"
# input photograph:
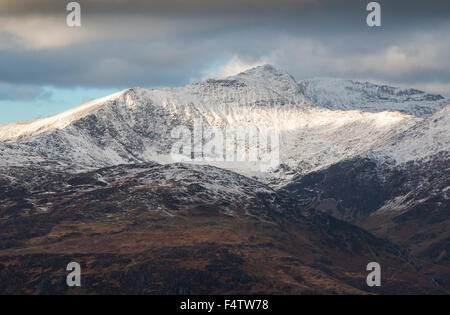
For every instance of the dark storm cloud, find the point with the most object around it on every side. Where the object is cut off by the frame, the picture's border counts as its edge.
(166, 7)
(169, 43)
(345, 12)
(430, 8)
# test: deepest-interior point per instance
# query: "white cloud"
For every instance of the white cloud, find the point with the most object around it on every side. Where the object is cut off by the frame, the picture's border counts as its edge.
(234, 66)
(40, 32)
(36, 32)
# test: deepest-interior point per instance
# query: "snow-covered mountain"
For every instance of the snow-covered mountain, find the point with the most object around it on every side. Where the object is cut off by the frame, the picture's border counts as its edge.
(135, 125)
(340, 94)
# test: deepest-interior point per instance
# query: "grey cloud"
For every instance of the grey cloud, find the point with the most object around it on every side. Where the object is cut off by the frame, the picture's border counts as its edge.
(168, 43)
(173, 61)
(298, 8)
(157, 7)
(103, 65)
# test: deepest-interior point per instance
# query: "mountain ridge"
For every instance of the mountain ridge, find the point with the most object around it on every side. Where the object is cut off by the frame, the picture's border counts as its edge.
(135, 125)
(262, 77)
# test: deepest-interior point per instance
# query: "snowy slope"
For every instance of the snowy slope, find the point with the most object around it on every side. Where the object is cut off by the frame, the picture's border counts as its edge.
(11, 154)
(423, 140)
(18, 130)
(340, 94)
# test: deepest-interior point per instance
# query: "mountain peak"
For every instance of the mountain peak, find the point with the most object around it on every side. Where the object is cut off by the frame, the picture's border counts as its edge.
(267, 77)
(264, 71)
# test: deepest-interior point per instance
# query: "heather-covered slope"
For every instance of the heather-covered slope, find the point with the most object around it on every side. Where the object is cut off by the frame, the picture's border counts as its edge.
(180, 229)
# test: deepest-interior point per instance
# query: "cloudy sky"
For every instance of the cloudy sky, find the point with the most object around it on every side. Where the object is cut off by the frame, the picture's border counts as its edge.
(47, 67)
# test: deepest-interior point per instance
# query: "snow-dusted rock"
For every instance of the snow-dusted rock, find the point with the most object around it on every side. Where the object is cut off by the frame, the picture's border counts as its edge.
(340, 94)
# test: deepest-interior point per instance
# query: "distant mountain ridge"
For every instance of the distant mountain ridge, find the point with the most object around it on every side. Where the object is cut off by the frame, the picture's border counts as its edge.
(135, 125)
(340, 94)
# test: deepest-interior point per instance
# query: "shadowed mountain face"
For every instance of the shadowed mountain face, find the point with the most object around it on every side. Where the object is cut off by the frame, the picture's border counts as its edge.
(97, 185)
(181, 229)
(408, 204)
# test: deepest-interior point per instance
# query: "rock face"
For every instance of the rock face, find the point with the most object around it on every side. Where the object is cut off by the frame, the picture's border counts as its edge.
(99, 184)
